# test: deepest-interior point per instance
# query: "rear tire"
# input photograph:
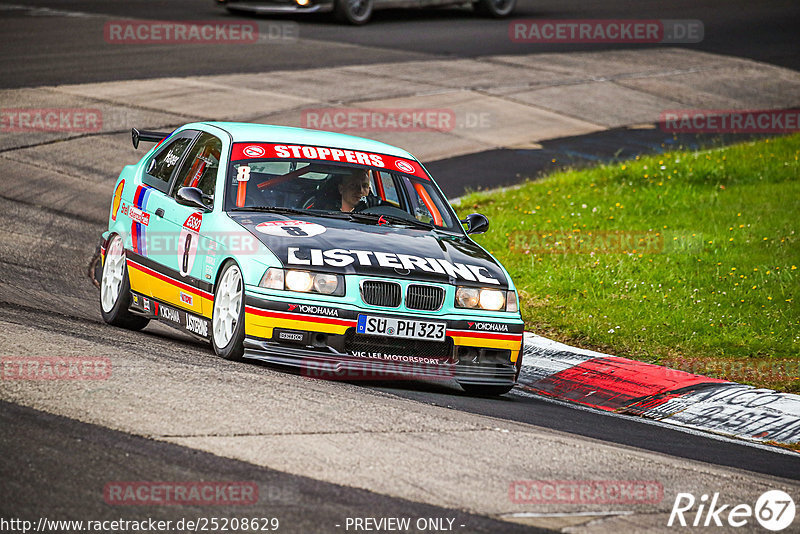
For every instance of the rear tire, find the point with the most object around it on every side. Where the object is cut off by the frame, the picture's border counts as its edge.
(477, 390)
(227, 319)
(495, 8)
(355, 12)
(115, 289)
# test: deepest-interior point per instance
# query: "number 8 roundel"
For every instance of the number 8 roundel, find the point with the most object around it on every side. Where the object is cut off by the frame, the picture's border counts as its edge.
(290, 228)
(187, 243)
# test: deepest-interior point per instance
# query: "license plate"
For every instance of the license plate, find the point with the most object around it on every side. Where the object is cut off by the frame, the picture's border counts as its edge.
(388, 326)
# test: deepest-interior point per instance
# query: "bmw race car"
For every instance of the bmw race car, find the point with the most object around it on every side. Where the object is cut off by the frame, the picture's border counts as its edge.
(309, 249)
(360, 11)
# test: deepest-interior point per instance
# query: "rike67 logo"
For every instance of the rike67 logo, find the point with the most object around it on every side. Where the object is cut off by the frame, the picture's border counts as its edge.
(774, 510)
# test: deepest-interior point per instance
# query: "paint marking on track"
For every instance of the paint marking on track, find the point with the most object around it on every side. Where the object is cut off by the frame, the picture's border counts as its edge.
(567, 514)
(642, 420)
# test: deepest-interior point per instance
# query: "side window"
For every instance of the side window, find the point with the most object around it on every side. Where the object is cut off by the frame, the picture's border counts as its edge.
(199, 168)
(161, 167)
(389, 188)
(426, 204)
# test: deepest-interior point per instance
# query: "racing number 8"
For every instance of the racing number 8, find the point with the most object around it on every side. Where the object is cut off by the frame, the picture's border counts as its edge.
(186, 250)
(294, 231)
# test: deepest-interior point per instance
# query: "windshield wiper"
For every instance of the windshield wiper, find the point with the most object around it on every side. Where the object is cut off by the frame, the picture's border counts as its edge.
(374, 217)
(294, 211)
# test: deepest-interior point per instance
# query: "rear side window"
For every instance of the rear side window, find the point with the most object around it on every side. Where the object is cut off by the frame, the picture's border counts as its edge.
(199, 168)
(163, 164)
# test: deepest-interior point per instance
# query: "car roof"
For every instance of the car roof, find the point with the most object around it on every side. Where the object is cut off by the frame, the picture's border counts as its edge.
(267, 133)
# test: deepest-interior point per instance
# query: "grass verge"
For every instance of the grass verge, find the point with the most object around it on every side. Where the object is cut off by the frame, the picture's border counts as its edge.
(684, 259)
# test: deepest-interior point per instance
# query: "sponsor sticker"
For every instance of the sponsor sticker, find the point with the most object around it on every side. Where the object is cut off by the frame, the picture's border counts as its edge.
(170, 314)
(290, 228)
(188, 242)
(338, 257)
(196, 325)
(313, 310)
(187, 299)
(488, 327)
(136, 215)
(254, 151)
(341, 155)
(404, 166)
(117, 200)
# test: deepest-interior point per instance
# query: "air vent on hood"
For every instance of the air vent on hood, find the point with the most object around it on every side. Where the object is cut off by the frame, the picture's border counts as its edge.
(385, 294)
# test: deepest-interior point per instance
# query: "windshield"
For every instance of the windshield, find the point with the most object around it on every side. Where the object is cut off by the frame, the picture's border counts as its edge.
(333, 188)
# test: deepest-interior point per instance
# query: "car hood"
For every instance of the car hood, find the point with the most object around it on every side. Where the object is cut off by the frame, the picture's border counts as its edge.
(352, 247)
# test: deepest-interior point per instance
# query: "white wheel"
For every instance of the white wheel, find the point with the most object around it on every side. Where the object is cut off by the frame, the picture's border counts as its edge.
(115, 289)
(228, 300)
(113, 273)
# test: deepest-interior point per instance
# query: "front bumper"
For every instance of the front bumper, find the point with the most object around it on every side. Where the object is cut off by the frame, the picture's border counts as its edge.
(276, 7)
(322, 342)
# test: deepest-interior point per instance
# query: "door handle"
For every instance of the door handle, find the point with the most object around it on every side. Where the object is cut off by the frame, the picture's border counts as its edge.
(160, 212)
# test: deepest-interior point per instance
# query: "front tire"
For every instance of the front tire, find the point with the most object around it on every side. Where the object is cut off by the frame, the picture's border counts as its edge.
(354, 12)
(227, 319)
(115, 289)
(495, 8)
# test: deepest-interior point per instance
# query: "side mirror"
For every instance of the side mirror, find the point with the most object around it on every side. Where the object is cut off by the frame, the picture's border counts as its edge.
(477, 223)
(191, 196)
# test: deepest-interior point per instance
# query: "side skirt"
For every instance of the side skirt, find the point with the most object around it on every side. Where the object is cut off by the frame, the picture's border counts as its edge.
(194, 325)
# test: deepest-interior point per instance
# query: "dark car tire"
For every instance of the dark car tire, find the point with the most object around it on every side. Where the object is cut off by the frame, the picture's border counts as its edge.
(229, 345)
(355, 12)
(477, 390)
(495, 8)
(115, 289)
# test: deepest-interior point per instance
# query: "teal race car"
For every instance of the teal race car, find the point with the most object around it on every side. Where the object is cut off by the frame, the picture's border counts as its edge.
(333, 254)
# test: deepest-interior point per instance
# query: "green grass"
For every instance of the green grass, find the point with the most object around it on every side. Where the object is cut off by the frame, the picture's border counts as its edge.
(686, 259)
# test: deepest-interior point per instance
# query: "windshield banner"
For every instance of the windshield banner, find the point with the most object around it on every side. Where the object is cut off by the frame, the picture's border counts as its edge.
(381, 161)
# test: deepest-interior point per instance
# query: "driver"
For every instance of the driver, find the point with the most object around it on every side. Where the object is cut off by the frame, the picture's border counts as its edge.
(353, 188)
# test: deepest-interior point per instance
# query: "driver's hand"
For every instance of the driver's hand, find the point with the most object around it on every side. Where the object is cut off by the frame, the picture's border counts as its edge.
(369, 201)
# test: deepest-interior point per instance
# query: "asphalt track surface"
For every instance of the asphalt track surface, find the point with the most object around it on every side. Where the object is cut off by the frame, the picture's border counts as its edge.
(77, 460)
(43, 50)
(53, 465)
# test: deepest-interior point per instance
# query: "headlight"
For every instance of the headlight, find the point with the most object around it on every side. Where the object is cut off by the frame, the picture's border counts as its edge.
(299, 281)
(326, 283)
(486, 299)
(303, 281)
(467, 297)
(492, 299)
